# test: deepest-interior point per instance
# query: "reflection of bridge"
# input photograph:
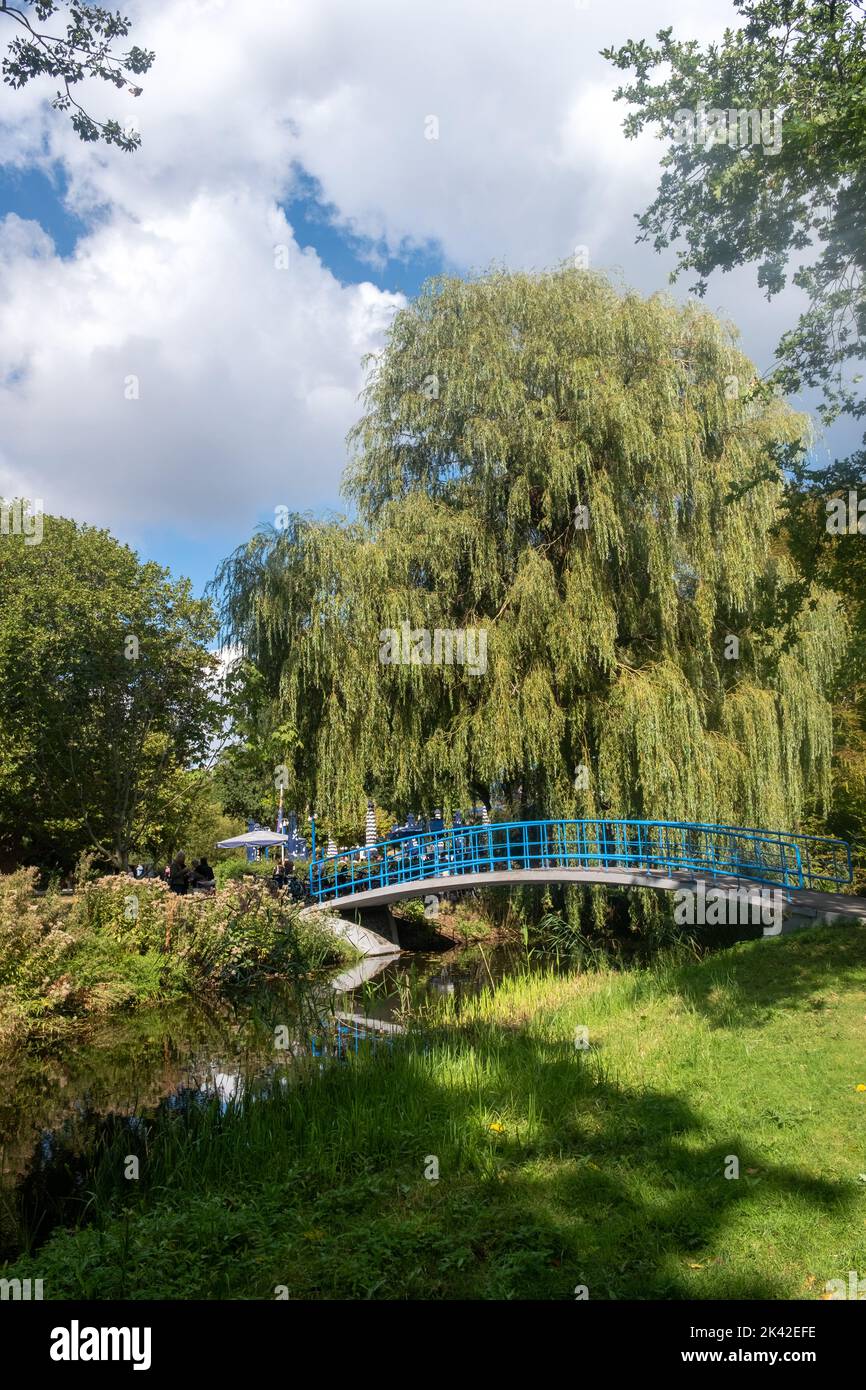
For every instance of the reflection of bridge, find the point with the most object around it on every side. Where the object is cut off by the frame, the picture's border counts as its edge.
(633, 853)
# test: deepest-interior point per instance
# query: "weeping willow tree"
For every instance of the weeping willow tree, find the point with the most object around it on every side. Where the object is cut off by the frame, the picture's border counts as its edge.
(592, 481)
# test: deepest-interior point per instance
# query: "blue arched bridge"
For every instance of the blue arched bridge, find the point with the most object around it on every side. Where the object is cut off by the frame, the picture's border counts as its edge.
(633, 853)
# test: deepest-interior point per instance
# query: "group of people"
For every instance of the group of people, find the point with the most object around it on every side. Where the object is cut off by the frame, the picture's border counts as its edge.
(284, 877)
(180, 878)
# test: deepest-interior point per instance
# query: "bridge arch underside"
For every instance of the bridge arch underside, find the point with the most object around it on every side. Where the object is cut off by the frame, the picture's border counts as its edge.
(805, 902)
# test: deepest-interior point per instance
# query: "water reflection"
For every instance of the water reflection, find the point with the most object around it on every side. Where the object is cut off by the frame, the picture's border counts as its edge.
(60, 1105)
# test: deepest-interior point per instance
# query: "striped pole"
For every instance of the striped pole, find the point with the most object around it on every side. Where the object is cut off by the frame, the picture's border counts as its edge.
(280, 824)
(371, 834)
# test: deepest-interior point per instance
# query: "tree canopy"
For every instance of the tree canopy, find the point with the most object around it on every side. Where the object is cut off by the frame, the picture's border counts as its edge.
(85, 52)
(585, 476)
(799, 210)
(107, 695)
(250, 769)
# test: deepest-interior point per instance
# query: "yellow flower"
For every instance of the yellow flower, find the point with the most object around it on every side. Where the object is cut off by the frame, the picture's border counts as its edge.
(860, 1087)
(497, 1127)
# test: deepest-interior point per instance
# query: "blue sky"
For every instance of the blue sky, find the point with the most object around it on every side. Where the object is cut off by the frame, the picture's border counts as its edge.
(40, 195)
(165, 372)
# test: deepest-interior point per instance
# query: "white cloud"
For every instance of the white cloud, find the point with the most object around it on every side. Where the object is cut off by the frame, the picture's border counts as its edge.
(249, 375)
(170, 372)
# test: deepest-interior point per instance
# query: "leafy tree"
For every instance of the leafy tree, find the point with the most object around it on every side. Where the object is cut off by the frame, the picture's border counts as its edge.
(799, 212)
(567, 469)
(837, 561)
(732, 202)
(188, 816)
(254, 763)
(106, 693)
(84, 52)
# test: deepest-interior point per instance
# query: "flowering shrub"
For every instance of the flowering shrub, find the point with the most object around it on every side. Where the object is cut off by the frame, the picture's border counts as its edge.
(122, 942)
(130, 911)
(245, 930)
(34, 949)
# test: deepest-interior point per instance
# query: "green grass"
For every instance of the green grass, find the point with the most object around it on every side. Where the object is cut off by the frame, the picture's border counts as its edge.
(603, 1168)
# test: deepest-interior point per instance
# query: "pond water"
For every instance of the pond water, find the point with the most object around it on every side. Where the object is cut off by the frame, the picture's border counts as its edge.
(59, 1104)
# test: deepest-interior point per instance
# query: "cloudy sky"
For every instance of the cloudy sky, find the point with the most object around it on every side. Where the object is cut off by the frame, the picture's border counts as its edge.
(233, 272)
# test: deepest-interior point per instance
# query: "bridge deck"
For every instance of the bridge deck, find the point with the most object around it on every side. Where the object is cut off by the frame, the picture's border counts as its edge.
(809, 900)
(664, 855)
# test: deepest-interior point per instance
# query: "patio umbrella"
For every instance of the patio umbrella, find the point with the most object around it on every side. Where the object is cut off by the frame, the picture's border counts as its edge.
(254, 839)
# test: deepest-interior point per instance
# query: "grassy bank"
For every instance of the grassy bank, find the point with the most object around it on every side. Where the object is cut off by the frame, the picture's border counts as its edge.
(557, 1166)
(120, 944)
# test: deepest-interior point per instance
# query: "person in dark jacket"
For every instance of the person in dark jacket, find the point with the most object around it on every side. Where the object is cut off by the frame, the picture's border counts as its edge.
(178, 874)
(204, 872)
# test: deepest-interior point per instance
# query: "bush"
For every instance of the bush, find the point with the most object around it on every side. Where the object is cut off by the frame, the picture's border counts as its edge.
(34, 949)
(109, 976)
(230, 870)
(247, 931)
(133, 912)
(124, 941)
(243, 930)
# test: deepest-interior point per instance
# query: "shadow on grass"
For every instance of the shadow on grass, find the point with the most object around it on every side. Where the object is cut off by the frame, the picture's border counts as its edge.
(741, 987)
(612, 1188)
(549, 1176)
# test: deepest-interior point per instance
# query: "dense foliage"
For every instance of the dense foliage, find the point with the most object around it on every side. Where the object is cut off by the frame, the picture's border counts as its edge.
(121, 942)
(584, 475)
(249, 771)
(728, 202)
(107, 697)
(796, 208)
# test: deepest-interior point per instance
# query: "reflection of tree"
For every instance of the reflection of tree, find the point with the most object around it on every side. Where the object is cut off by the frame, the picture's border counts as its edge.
(62, 1111)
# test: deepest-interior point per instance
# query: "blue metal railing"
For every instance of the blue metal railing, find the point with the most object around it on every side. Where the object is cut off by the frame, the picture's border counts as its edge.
(772, 857)
(339, 1039)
